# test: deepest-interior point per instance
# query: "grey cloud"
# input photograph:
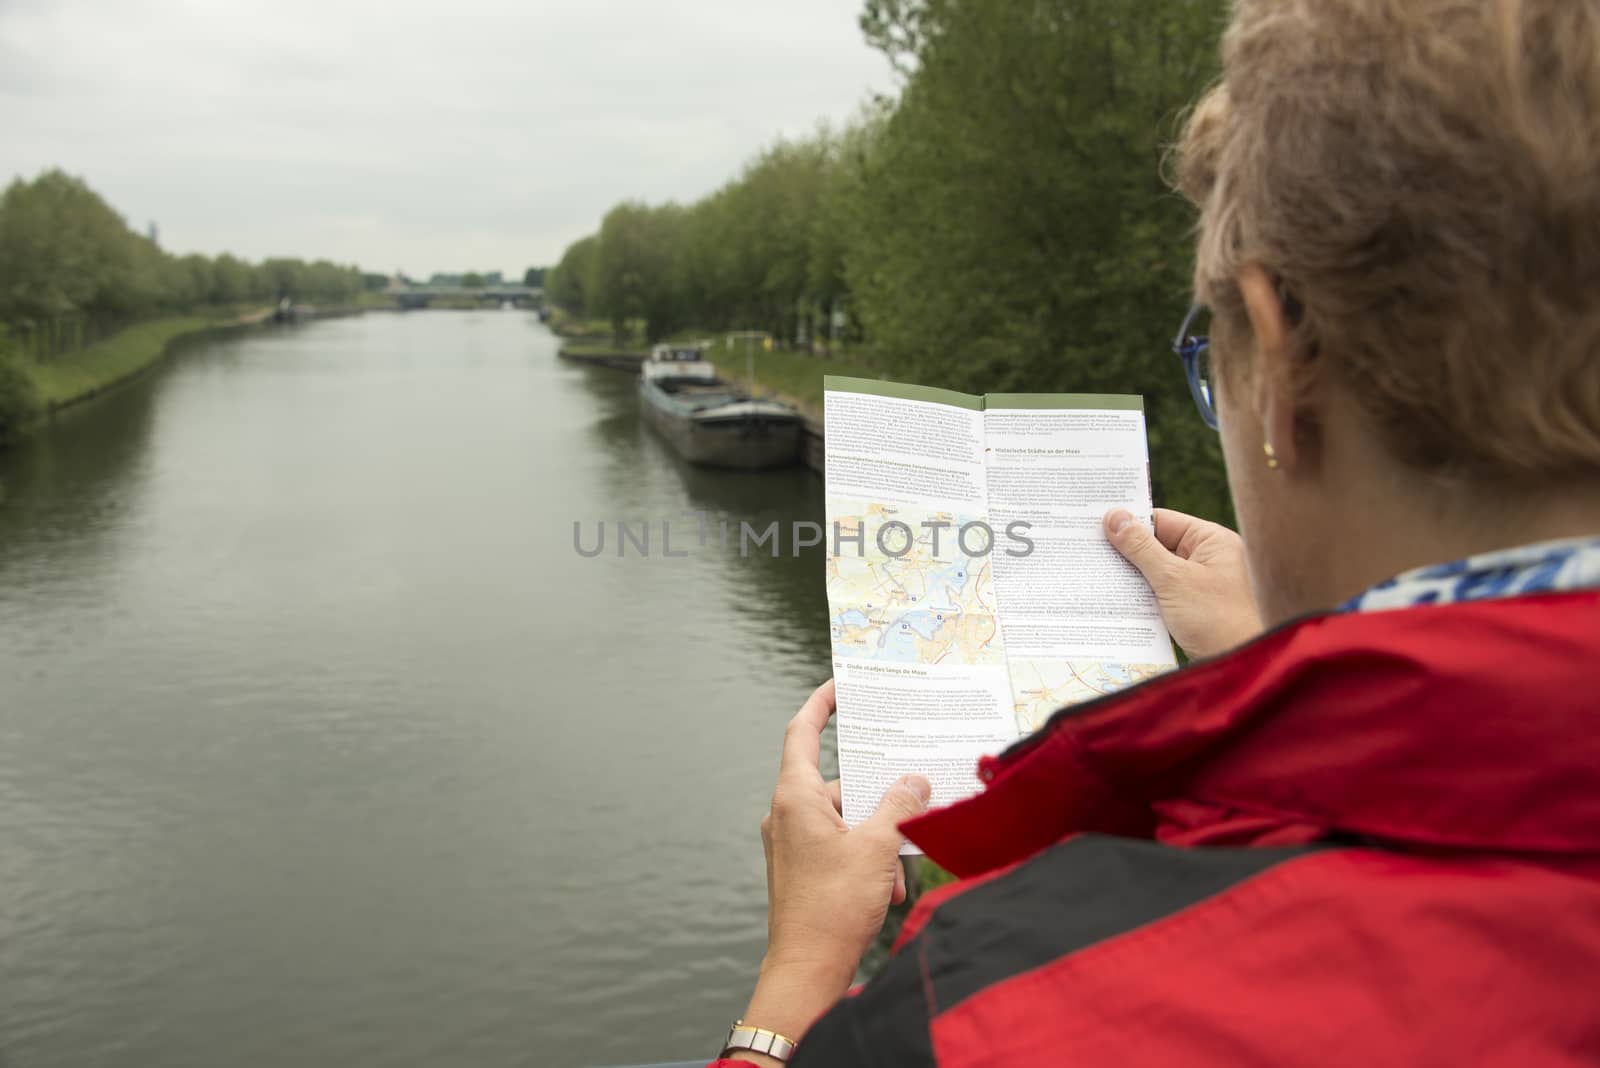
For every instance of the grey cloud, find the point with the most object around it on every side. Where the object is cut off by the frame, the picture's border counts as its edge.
(426, 136)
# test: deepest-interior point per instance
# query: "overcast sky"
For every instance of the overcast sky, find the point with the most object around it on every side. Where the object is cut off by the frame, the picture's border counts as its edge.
(423, 136)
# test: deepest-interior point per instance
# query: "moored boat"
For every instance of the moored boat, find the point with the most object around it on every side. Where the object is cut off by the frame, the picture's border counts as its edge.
(711, 422)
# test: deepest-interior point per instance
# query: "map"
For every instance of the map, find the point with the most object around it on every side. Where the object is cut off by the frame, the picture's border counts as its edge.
(1041, 687)
(932, 605)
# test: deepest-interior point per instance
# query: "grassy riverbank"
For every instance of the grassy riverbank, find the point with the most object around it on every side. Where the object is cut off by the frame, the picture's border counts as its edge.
(596, 332)
(792, 376)
(75, 376)
(597, 348)
(31, 389)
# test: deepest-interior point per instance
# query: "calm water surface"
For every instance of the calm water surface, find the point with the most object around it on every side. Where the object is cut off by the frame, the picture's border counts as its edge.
(320, 745)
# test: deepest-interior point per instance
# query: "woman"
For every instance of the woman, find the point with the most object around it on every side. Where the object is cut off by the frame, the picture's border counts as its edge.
(1371, 834)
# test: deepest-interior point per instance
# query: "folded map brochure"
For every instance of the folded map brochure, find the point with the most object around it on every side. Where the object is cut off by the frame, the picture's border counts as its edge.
(971, 589)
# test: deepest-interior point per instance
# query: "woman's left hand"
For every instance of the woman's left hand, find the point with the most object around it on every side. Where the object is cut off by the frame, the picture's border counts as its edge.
(829, 886)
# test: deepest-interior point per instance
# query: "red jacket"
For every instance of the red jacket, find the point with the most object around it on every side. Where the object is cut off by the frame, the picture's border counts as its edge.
(1364, 839)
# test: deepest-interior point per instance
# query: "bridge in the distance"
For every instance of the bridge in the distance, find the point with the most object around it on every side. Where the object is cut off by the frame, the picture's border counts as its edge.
(500, 293)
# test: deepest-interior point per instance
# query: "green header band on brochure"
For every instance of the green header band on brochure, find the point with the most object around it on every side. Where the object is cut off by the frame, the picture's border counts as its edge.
(1112, 402)
(1022, 401)
(901, 391)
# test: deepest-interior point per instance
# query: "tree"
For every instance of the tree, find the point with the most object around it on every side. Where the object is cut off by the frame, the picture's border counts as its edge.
(634, 273)
(898, 29)
(66, 261)
(471, 280)
(837, 223)
(1015, 232)
(230, 280)
(533, 277)
(72, 270)
(279, 279)
(569, 281)
(1002, 225)
(199, 280)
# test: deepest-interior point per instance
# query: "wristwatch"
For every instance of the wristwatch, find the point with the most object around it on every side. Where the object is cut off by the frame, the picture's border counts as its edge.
(743, 1038)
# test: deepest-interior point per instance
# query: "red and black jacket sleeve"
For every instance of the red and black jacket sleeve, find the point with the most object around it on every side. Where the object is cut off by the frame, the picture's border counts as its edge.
(1079, 893)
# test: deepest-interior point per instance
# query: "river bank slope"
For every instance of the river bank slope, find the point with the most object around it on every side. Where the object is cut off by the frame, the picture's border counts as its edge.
(76, 376)
(31, 391)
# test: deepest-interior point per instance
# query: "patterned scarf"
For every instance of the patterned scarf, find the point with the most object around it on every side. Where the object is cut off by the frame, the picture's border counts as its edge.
(1549, 566)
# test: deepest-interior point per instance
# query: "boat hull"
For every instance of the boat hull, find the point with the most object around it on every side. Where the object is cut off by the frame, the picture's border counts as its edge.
(744, 444)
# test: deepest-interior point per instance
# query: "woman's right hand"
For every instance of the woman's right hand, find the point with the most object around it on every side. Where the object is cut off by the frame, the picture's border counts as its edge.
(1197, 571)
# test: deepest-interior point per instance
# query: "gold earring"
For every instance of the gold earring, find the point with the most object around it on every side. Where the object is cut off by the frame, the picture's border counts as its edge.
(1272, 455)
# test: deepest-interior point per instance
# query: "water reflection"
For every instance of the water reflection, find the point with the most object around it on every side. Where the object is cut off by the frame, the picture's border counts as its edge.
(320, 744)
(68, 485)
(785, 602)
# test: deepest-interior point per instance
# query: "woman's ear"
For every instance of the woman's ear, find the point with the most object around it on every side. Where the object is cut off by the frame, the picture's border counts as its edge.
(1274, 394)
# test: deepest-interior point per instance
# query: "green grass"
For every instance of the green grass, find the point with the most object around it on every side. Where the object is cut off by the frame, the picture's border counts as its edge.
(595, 330)
(596, 348)
(75, 375)
(793, 376)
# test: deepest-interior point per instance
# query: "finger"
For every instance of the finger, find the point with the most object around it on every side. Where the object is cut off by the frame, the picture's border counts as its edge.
(905, 799)
(1172, 527)
(836, 795)
(802, 740)
(1138, 544)
(898, 897)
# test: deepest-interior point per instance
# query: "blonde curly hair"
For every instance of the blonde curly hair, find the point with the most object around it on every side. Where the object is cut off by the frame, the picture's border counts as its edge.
(1422, 177)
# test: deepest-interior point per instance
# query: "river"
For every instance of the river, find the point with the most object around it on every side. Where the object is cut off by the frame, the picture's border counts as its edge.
(321, 745)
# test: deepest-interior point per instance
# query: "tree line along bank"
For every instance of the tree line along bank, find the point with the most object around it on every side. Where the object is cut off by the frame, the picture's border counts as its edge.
(1001, 224)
